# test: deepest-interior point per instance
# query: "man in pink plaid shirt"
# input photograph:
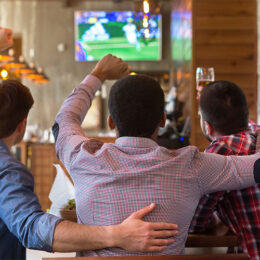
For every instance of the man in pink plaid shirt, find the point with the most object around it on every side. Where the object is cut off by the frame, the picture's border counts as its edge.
(230, 135)
(112, 180)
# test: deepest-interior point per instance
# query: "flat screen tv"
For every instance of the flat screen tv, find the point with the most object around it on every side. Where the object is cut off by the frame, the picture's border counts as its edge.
(181, 35)
(120, 33)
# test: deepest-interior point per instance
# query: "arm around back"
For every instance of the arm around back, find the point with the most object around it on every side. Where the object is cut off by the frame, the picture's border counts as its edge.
(257, 163)
(132, 234)
(218, 173)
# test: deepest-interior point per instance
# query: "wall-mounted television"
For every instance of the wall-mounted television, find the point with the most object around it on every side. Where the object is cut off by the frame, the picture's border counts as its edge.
(120, 33)
(181, 35)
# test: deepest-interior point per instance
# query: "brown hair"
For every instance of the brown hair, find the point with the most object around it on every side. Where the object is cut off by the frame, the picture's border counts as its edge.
(223, 104)
(15, 102)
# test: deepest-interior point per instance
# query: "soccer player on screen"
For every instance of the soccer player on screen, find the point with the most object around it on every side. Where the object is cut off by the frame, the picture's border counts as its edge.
(131, 33)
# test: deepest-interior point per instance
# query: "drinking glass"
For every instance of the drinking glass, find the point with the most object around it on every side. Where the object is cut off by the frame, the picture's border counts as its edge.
(203, 77)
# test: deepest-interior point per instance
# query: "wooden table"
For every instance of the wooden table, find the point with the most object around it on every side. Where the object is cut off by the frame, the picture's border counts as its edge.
(202, 240)
(170, 257)
(219, 236)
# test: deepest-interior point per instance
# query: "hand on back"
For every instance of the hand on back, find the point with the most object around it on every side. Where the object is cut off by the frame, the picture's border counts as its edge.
(133, 234)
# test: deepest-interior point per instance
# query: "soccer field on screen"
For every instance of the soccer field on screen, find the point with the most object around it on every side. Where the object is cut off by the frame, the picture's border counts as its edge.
(122, 48)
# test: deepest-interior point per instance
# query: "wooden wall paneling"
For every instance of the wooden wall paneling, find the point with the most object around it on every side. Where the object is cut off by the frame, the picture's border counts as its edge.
(228, 51)
(42, 157)
(224, 8)
(225, 37)
(235, 66)
(225, 23)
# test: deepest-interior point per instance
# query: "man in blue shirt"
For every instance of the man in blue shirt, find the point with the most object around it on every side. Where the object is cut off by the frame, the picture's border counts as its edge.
(24, 224)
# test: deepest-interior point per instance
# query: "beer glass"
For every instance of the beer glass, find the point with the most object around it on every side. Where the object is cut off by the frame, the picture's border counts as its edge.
(203, 77)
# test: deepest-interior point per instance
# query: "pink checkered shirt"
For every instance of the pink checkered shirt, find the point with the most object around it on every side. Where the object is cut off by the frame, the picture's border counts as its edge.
(114, 180)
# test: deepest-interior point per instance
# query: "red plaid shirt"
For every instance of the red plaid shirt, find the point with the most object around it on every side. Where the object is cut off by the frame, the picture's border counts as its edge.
(238, 209)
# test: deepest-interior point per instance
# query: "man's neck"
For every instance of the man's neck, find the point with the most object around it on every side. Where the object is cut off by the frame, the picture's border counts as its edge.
(9, 141)
(153, 137)
(215, 134)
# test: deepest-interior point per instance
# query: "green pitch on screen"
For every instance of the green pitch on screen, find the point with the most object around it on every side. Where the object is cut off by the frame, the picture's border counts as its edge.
(121, 48)
(148, 49)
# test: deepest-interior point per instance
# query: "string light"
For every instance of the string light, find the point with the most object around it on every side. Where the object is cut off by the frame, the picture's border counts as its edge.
(145, 22)
(146, 6)
(146, 33)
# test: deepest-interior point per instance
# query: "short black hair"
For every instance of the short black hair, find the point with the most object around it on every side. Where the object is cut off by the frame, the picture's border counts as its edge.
(136, 105)
(16, 101)
(223, 104)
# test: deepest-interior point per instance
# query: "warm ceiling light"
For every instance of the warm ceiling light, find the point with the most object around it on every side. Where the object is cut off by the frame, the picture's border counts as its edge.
(23, 71)
(4, 74)
(32, 76)
(6, 58)
(41, 80)
(13, 65)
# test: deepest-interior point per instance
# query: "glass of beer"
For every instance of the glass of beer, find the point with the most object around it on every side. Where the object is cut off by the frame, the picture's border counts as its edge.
(203, 77)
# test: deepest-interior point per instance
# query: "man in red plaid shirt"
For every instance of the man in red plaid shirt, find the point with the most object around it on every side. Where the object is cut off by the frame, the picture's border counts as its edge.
(230, 134)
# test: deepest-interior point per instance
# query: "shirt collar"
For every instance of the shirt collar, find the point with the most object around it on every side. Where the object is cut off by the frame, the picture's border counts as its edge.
(3, 147)
(234, 139)
(252, 127)
(138, 142)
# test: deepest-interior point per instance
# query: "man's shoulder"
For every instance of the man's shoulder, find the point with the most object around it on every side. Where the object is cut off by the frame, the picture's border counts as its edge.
(236, 144)
(220, 145)
(11, 166)
(252, 126)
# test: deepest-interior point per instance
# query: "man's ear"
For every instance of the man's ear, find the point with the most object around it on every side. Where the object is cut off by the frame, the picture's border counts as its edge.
(163, 120)
(209, 129)
(20, 127)
(111, 123)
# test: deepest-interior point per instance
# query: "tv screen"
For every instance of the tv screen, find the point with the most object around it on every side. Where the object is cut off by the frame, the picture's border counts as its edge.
(119, 33)
(181, 35)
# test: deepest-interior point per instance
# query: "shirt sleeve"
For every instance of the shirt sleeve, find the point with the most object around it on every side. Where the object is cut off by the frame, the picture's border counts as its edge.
(253, 126)
(219, 173)
(69, 135)
(21, 212)
(258, 141)
(257, 163)
(208, 202)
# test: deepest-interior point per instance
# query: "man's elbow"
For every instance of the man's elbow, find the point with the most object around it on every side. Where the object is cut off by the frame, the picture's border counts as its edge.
(257, 171)
(55, 130)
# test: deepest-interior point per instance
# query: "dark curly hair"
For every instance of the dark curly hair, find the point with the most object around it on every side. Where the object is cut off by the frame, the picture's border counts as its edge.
(136, 105)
